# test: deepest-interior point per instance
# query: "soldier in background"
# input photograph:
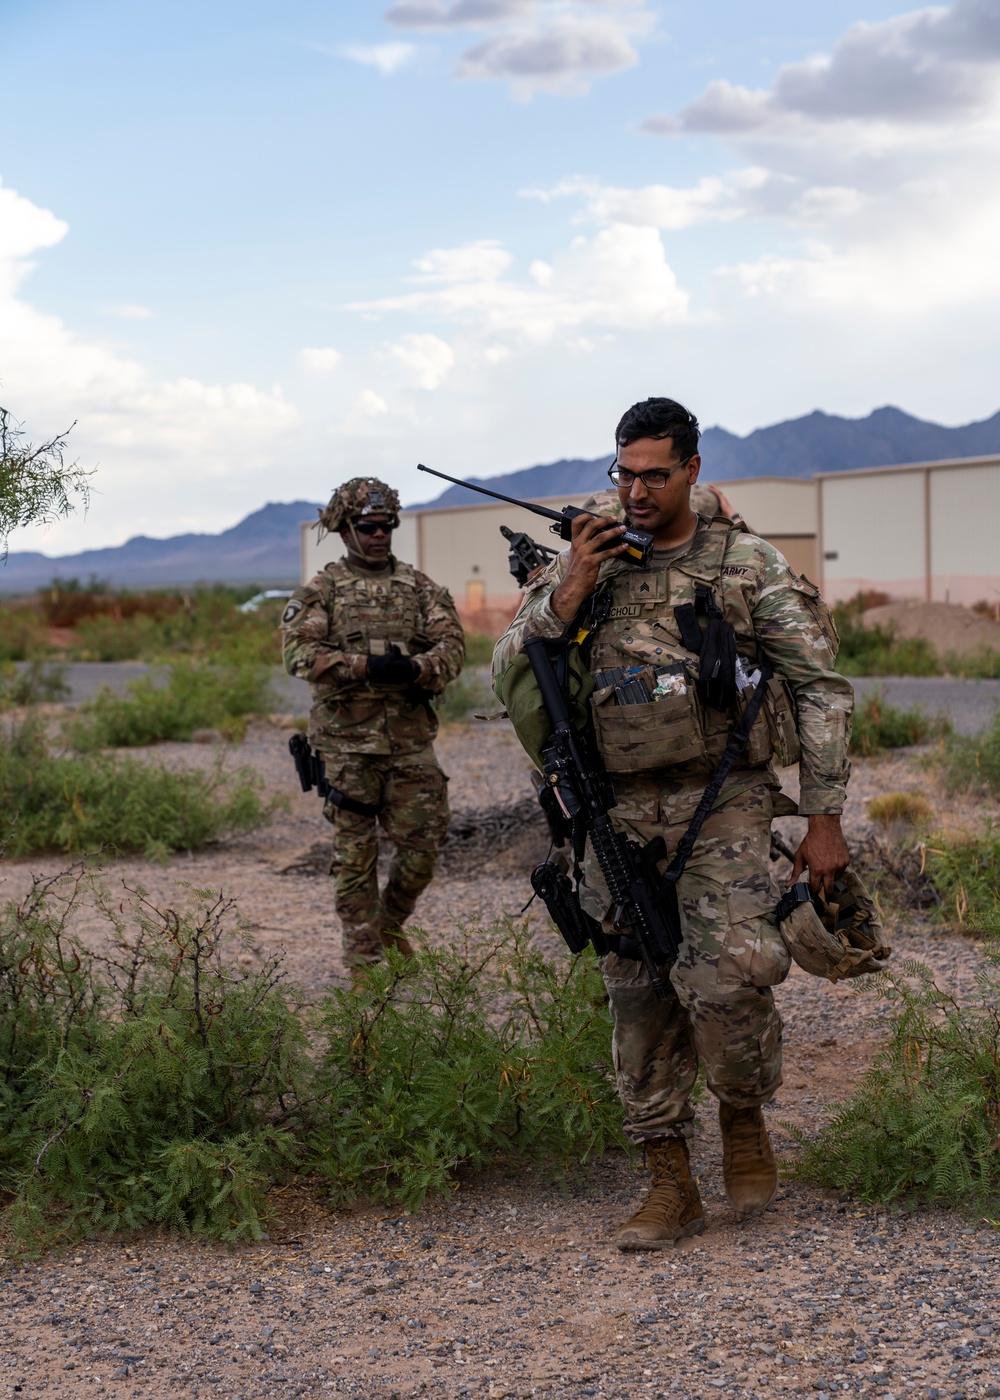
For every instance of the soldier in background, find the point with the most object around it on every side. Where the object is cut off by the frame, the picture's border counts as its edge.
(376, 639)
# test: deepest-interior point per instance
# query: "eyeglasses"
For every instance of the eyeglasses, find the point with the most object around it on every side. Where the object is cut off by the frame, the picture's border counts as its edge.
(373, 527)
(653, 481)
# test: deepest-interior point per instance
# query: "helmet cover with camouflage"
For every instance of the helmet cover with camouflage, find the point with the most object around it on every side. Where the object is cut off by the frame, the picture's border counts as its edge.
(834, 936)
(361, 496)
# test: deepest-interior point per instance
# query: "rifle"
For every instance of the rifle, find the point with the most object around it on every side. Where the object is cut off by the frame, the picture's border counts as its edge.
(640, 542)
(526, 555)
(649, 924)
(312, 774)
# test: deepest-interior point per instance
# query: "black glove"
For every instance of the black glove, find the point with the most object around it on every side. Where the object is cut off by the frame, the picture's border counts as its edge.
(392, 669)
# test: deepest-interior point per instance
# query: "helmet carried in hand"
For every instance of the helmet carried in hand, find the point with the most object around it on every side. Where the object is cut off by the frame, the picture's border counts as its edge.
(836, 936)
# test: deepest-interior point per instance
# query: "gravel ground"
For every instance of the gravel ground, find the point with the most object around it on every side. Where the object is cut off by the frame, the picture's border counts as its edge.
(512, 1287)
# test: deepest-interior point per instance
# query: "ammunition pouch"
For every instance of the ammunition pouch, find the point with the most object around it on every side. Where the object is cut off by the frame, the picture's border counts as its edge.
(665, 731)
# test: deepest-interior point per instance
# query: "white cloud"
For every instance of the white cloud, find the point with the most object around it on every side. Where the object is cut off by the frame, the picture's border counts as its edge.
(881, 149)
(370, 405)
(462, 14)
(554, 46)
(426, 358)
(387, 58)
(129, 311)
(145, 432)
(619, 278)
(559, 57)
(320, 359)
(890, 81)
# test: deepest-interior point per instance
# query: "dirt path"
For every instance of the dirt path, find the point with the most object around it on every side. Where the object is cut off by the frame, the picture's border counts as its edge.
(512, 1287)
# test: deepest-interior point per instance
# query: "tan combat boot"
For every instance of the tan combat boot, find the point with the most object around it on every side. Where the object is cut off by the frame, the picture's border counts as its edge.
(672, 1210)
(748, 1165)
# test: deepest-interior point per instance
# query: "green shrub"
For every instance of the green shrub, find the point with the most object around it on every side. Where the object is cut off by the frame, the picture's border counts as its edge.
(30, 684)
(116, 639)
(479, 649)
(85, 802)
(462, 698)
(23, 634)
(973, 764)
(874, 651)
(879, 726)
(458, 1058)
(211, 627)
(966, 874)
(925, 1121)
(194, 697)
(162, 1082)
(150, 1085)
(981, 665)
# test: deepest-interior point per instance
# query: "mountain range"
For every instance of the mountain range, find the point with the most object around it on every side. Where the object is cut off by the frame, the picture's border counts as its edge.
(264, 547)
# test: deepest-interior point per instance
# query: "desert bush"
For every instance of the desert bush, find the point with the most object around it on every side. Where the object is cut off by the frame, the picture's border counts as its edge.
(211, 627)
(479, 648)
(879, 726)
(981, 665)
(972, 764)
(31, 684)
(148, 1085)
(194, 697)
(167, 1080)
(966, 875)
(23, 634)
(70, 603)
(84, 802)
(875, 651)
(480, 1052)
(902, 808)
(462, 698)
(107, 638)
(924, 1122)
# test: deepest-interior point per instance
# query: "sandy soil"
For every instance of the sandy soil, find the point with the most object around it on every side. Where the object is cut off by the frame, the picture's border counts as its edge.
(947, 626)
(512, 1287)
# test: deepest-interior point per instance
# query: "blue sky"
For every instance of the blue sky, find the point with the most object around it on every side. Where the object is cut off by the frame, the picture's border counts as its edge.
(255, 251)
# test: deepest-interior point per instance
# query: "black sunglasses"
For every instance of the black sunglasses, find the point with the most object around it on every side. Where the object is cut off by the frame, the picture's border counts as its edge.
(373, 527)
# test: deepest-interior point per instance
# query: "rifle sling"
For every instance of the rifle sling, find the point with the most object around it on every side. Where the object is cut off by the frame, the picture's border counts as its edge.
(735, 745)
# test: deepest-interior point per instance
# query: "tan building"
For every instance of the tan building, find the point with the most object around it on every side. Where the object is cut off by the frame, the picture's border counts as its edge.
(930, 530)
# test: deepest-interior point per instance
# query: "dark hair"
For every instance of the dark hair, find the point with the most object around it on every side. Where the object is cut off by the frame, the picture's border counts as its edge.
(659, 418)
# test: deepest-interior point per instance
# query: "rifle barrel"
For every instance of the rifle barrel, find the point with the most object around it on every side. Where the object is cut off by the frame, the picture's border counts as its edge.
(484, 491)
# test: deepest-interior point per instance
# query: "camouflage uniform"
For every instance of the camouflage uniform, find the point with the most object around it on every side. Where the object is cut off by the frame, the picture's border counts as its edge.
(721, 1009)
(377, 743)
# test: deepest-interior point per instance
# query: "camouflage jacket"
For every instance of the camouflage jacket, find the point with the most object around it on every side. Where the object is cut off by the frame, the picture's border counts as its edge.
(337, 620)
(773, 611)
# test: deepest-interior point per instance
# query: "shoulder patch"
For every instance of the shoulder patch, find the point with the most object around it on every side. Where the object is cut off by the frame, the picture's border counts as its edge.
(292, 609)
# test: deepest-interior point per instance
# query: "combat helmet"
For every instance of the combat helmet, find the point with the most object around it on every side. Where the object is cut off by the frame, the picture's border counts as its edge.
(836, 936)
(361, 496)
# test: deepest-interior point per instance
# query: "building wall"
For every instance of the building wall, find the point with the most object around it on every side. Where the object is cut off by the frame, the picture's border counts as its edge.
(925, 532)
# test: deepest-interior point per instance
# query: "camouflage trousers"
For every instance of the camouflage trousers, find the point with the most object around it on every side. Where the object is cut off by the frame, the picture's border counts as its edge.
(719, 1008)
(412, 795)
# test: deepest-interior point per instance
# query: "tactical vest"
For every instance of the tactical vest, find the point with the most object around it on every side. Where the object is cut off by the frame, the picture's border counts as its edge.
(370, 613)
(367, 614)
(675, 729)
